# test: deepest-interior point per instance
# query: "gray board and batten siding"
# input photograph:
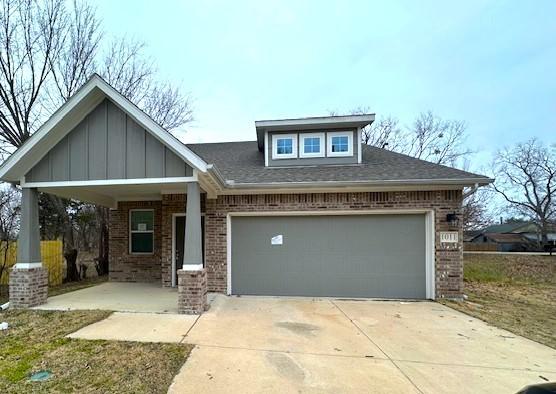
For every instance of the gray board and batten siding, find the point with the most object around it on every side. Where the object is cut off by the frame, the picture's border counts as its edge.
(108, 144)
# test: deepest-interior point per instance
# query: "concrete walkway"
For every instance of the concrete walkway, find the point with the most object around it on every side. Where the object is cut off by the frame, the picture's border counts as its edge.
(139, 327)
(118, 296)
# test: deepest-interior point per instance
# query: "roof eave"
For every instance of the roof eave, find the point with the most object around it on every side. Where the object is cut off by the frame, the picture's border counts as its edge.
(346, 184)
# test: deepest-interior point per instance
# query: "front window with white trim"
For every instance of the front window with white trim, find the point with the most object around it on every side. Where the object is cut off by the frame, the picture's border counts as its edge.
(141, 231)
(284, 146)
(311, 145)
(340, 144)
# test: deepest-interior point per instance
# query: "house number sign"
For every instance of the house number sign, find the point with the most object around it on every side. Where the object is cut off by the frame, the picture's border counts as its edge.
(449, 237)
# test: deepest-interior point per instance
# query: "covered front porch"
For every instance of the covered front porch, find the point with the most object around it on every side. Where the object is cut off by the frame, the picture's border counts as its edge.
(117, 296)
(100, 148)
(136, 241)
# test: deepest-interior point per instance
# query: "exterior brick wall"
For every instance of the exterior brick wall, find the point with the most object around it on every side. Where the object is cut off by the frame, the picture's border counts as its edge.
(192, 292)
(28, 287)
(448, 262)
(127, 267)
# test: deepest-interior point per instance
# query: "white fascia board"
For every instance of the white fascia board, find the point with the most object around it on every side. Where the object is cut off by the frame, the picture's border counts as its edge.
(112, 182)
(96, 82)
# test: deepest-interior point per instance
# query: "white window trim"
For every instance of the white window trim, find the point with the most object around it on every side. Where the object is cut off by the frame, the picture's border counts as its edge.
(348, 134)
(275, 155)
(302, 137)
(142, 232)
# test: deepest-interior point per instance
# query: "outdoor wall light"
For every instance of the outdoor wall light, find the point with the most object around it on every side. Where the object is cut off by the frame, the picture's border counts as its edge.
(452, 219)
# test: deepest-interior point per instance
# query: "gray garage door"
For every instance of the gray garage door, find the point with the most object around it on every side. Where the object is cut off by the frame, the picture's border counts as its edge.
(337, 256)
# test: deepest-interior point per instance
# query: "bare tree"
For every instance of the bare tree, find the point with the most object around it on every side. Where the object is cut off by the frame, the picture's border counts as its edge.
(383, 133)
(77, 59)
(434, 139)
(31, 33)
(10, 199)
(475, 214)
(168, 106)
(429, 138)
(47, 51)
(127, 69)
(526, 178)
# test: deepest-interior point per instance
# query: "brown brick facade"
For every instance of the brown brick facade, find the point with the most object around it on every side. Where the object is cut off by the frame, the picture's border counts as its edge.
(448, 262)
(28, 287)
(192, 292)
(127, 267)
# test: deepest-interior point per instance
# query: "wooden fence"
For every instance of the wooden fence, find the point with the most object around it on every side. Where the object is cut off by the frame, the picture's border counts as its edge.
(52, 259)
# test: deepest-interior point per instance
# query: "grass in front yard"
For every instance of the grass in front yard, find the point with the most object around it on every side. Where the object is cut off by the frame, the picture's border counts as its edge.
(36, 341)
(513, 292)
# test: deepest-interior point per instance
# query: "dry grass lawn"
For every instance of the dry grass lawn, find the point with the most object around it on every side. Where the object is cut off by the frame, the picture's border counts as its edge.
(513, 292)
(36, 341)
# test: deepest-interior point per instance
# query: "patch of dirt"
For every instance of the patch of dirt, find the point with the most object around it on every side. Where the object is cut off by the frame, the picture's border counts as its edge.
(519, 297)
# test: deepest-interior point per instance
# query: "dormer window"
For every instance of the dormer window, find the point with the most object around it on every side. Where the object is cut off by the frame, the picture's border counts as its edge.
(284, 146)
(340, 144)
(312, 145)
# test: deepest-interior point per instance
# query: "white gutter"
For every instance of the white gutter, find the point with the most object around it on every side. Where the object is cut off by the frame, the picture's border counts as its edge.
(402, 182)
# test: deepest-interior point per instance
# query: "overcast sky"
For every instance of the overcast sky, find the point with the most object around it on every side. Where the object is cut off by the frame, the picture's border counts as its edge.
(492, 64)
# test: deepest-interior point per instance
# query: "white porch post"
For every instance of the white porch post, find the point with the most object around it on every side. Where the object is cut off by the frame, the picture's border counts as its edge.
(28, 278)
(193, 253)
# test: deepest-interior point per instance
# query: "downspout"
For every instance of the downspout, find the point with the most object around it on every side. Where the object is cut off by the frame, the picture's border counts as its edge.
(470, 192)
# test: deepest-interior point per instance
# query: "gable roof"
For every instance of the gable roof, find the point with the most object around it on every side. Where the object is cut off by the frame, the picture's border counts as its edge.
(241, 164)
(71, 113)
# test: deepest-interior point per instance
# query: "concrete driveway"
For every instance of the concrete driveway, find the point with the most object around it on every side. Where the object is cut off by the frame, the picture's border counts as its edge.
(266, 344)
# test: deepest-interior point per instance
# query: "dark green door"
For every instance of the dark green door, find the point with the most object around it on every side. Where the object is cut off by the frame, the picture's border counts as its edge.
(179, 242)
(379, 256)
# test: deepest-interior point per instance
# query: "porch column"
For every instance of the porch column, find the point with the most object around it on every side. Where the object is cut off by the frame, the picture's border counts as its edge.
(28, 278)
(193, 253)
(192, 278)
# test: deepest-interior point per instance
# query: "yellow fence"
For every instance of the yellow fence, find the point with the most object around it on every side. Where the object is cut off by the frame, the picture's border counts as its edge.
(52, 259)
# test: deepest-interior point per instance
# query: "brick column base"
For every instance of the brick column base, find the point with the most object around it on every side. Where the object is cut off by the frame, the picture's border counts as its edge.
(28, 287)
(192, 292)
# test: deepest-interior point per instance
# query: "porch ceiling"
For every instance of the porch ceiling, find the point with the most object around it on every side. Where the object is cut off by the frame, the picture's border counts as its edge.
(109, 195)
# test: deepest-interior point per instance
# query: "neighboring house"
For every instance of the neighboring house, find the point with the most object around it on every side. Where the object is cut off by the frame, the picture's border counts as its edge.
(513, 237)
(305, 210)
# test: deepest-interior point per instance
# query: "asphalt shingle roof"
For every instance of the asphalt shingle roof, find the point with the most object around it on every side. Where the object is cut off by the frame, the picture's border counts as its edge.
(242, 162)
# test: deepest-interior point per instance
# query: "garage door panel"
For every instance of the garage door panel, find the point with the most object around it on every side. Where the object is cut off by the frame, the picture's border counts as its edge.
(341, 256)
